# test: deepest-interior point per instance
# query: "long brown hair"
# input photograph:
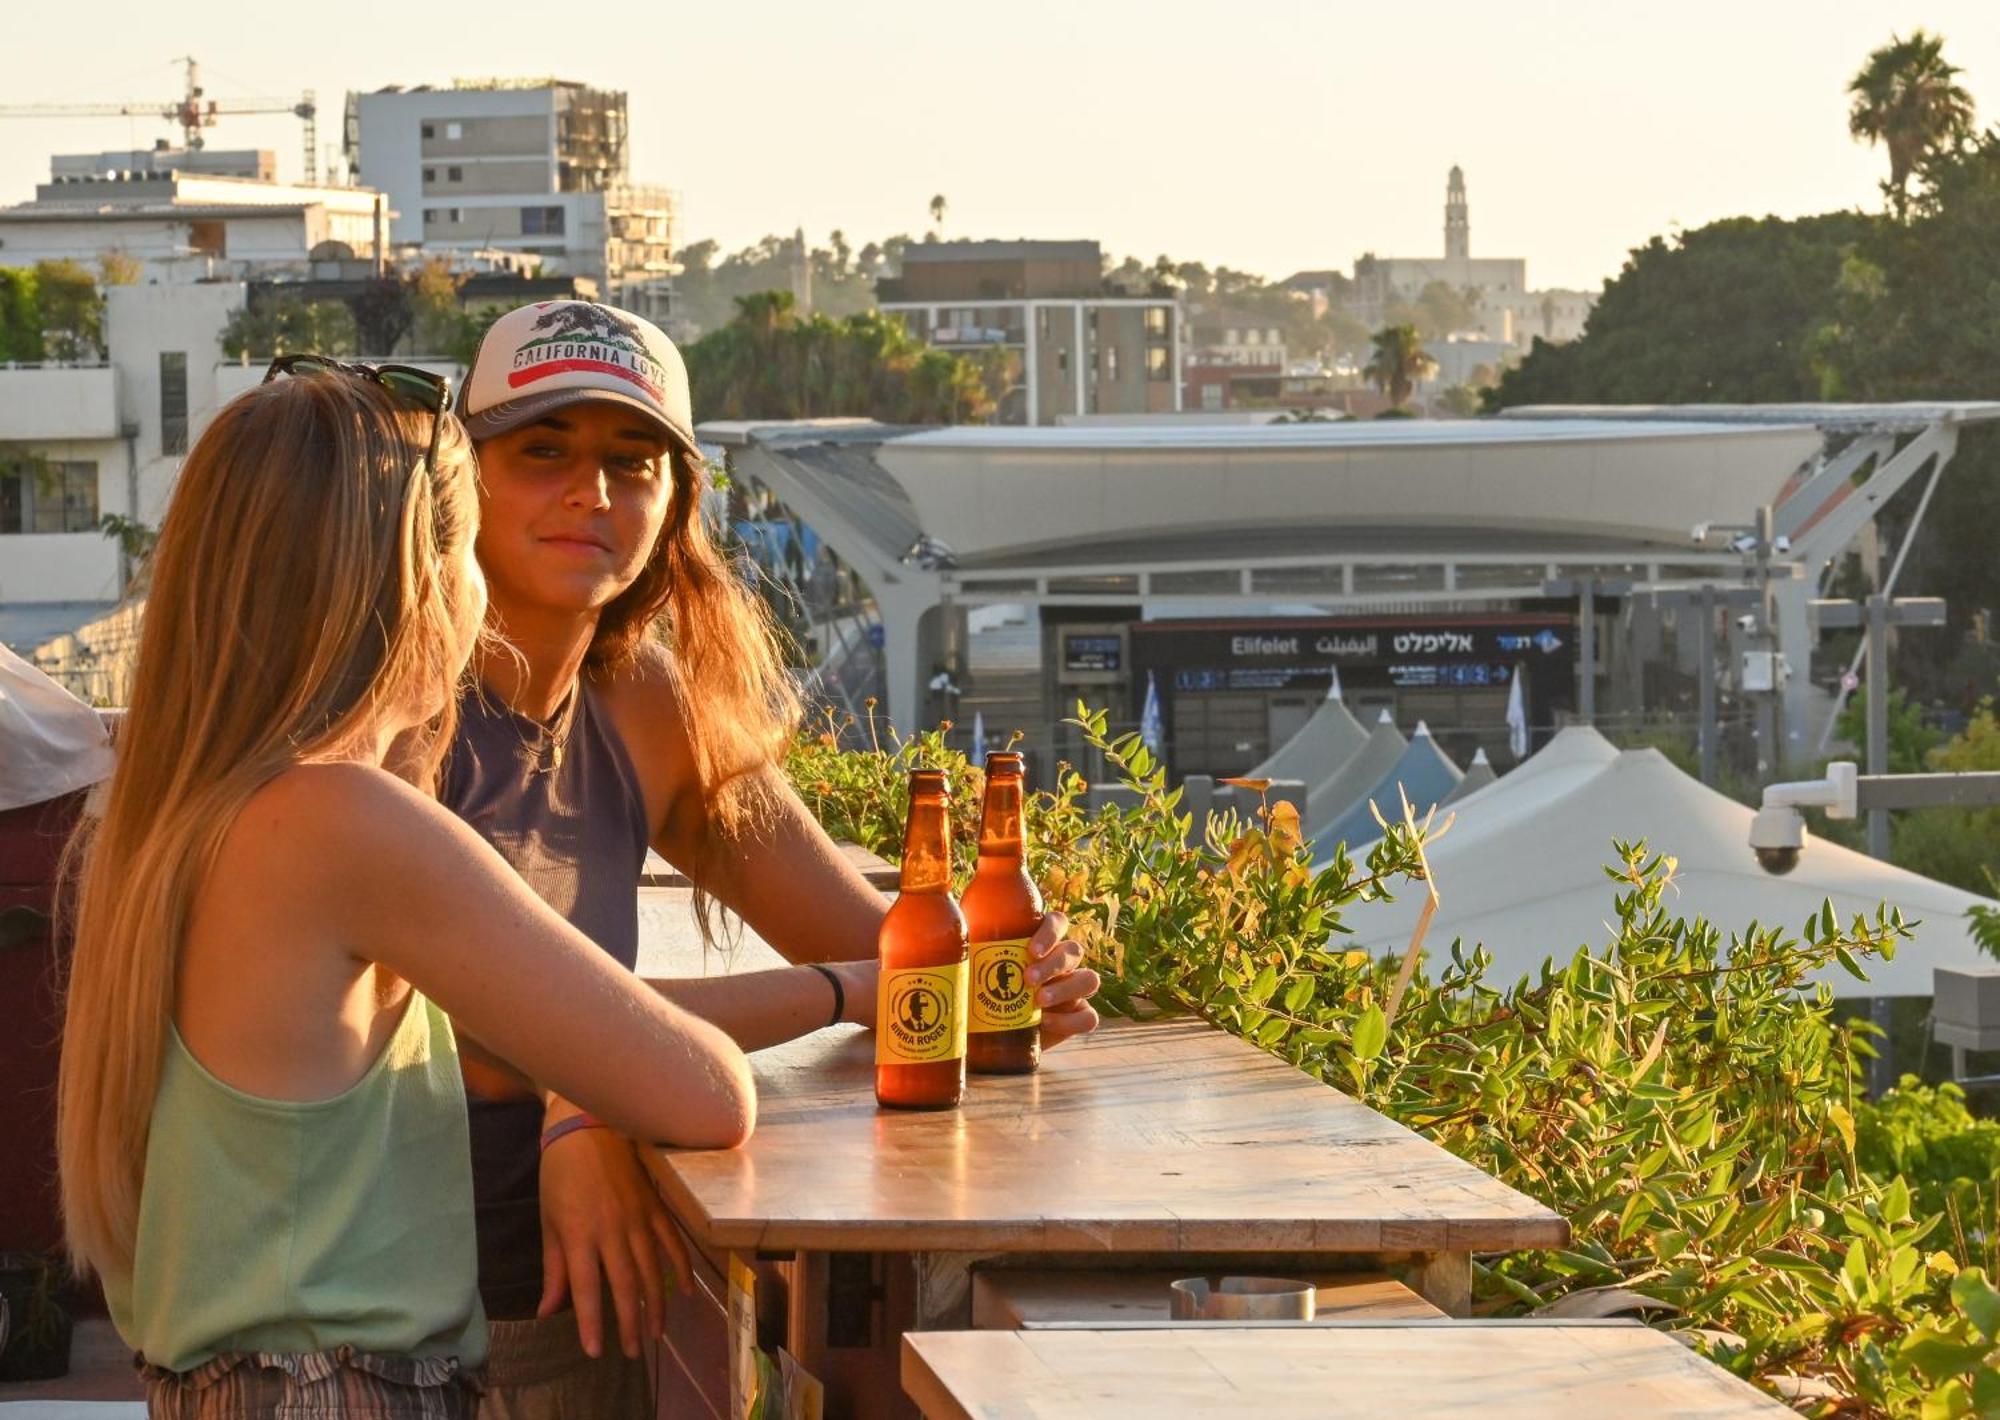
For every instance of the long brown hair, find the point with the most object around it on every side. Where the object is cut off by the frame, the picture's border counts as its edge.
(307, 590)
(741, 708)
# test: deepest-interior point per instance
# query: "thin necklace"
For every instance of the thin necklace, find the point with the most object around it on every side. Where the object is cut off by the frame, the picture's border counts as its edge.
(550, 739)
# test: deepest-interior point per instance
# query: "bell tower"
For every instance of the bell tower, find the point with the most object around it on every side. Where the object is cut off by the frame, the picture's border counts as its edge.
(1457, 221)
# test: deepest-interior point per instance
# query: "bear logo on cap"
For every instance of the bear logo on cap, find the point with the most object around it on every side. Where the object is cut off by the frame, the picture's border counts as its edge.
(582, 336)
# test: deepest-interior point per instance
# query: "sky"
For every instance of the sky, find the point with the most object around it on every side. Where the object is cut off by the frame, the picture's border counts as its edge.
(1271, 136)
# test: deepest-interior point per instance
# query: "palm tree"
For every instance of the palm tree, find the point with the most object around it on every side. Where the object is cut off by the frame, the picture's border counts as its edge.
(937, 213)
(1399, 361)
(1907, 98)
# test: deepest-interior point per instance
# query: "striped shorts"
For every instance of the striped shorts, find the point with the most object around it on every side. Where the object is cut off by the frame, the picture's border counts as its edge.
(342, 1384)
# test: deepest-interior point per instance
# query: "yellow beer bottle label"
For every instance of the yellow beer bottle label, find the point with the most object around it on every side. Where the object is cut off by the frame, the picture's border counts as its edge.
(920, 1015)
(1001, 996)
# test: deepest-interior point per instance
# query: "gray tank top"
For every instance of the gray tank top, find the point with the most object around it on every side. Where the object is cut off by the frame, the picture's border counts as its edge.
(563, 807)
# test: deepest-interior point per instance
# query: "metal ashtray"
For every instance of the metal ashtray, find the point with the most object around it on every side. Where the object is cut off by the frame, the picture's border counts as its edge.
(1243, 1299)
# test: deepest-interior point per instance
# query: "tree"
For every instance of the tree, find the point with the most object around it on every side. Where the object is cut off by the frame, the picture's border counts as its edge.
(769, 363)
(20, 317)
(118, 267)
(382, 315)
(434, 309)
(1458, 402)
(938, 206)
(72, 311)
(285, 325)
(1442, 309)
(1908, 99)
(1730, 312)
(1398, 363)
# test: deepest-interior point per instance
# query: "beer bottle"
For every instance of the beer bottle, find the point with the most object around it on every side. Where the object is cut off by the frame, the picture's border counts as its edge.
(1002, 909)
(920, 1003)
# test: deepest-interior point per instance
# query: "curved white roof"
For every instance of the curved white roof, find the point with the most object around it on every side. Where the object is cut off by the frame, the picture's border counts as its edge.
(1520, 872)
(988, 491)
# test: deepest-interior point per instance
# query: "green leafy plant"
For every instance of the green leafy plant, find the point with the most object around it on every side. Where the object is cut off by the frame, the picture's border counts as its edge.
(1681, 1094)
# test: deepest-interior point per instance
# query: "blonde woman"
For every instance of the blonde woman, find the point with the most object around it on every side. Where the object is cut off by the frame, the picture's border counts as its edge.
(262, 1122)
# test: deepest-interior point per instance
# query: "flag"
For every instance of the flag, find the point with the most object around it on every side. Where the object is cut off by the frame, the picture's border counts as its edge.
(1151, 734)
(1517, 717)
(979, 738)
(1333, 686)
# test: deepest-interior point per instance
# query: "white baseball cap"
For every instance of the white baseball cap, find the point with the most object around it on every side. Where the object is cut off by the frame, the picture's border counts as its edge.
(537, 359)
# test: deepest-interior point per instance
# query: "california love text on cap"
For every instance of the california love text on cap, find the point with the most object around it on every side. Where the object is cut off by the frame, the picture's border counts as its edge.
(539, 358)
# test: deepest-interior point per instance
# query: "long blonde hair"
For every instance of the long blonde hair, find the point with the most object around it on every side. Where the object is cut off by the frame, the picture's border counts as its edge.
(307, 586)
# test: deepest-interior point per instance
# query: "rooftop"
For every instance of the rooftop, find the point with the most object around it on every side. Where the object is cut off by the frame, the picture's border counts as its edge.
(925, 253)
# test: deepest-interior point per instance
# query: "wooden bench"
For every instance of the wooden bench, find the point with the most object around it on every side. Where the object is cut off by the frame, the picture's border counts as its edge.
(1440, 1370)
(1021, 1298)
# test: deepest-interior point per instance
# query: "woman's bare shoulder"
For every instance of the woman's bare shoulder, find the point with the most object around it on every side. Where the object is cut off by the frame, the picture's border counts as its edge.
(320, 820)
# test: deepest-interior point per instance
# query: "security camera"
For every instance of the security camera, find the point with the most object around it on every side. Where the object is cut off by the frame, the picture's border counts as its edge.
(1698, 534)
(1744, 543)
(1778, 837)
(1747, 621)
(1781, 545)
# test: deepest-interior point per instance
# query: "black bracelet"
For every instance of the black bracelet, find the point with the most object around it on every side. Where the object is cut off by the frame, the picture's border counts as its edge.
(839, 991)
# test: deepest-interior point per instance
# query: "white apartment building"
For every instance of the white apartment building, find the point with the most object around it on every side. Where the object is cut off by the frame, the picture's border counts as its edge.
(80, 441)
(539, 167)
(187, 226)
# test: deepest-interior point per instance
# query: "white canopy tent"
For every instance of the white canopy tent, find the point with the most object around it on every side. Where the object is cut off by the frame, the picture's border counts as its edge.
(1325, 742)
(1478, 775)
(1346, 784)
(1424, 773)
(1520, 870)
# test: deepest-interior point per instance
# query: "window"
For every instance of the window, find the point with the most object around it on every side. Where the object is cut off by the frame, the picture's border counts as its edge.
(208, 238)
(541, 221)
(431, 215)
(1158, 365)
(430, 130)
(1042, 323)
(1062, 362)
(48, 496)
(1156, 320)
(430, 174)
(1111, 362)
(173, 402)
(454, 174)
(454, 131)
(454, 215)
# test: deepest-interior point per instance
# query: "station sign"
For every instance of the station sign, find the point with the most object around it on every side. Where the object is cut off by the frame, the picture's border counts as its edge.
(1410, 653)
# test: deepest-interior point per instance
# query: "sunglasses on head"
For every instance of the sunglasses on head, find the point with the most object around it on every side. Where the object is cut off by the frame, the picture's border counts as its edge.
(419, 389)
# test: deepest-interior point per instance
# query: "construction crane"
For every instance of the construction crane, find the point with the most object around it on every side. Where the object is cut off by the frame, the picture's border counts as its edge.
(193, 111)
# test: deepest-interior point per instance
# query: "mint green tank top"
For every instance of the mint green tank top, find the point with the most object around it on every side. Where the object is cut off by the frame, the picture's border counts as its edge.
(277, 1226)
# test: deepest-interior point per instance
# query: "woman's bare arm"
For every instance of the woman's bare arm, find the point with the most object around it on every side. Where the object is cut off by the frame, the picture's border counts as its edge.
(417, 890)
(759, 1009)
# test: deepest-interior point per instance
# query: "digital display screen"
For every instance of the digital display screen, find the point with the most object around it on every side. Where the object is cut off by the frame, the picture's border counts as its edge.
(1093, 652)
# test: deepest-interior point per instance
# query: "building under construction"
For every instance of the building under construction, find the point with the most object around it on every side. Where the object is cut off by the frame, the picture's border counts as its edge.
(540, 166)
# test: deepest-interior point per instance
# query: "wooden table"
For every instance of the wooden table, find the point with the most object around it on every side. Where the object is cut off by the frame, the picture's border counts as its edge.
(1524, 1370)
(1142, 1144)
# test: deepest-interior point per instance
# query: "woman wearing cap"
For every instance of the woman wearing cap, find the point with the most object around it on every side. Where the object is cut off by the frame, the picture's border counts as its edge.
(595, 742)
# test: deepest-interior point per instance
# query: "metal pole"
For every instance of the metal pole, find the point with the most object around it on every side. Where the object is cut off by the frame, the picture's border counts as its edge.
(1882, 1069)
(1878, 716)
(1705, 659)
(1586, 602)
